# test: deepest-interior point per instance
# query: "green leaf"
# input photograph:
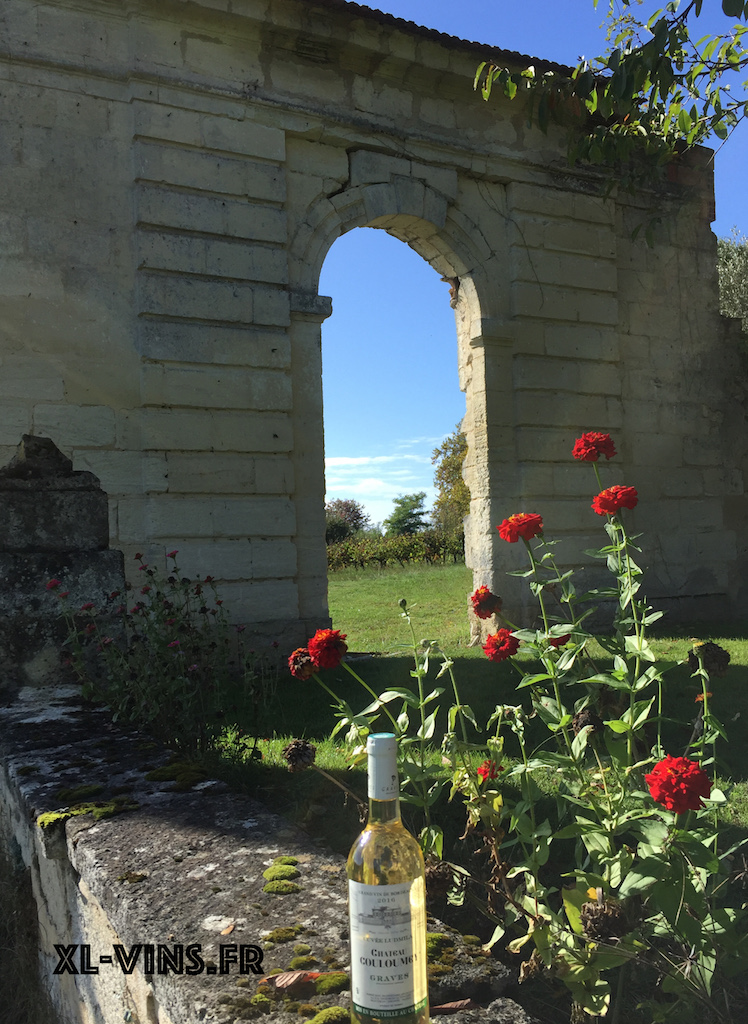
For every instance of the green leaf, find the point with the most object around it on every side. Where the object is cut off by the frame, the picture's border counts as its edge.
(644, 875)
(732, 8)
(396, 693)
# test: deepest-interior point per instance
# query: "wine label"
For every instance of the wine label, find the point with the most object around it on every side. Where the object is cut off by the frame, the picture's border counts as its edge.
(388, 948)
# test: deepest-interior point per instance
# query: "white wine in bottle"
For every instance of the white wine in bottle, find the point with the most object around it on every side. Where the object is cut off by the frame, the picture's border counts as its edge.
(387, 904)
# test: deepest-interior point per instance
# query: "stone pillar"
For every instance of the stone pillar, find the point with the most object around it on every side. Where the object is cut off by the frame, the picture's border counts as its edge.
(53, 526)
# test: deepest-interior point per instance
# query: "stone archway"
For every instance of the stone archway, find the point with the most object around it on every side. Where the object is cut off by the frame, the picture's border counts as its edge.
(419, 211)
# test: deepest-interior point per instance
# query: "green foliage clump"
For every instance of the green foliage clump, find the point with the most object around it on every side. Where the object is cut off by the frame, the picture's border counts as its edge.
(276, 871)
(427, 547)
(329, 984)
(281, 887)
(732, 267)
(169, 661)
(408, 515)
(452, 502)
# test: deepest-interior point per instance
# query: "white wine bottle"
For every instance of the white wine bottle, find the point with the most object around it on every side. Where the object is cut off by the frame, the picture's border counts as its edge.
(387, 904)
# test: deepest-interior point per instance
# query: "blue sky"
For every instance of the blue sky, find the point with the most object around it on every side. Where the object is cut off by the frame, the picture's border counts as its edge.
(389, 349)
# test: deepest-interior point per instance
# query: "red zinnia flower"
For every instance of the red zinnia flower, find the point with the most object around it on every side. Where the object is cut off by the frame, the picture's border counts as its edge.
(524, 524)
(327, 647)
(489, 770)
(699, 698)
(559, 641)
(87, 606)
(172, 554)
(300, 664)
(485, 604)
(590, 446)
(53, 585)
(678, 784)
(612, 499)
(500, 646)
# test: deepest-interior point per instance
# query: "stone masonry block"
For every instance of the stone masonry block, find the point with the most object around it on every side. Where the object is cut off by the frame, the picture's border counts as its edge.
(567, 270)
(581, 377)
(212, 473)
(205, 431)
(683, 483)
(206, 131)
(214, 215)
(231, 302)
(566, 410)
(76, 426)
(173, 518)
(274, 475)
(210, 388)
(262, 601)
(273, 558)
(15, 421)
(552, 202)
(552, 303)
(212, 257)
(25, 378)
(582, 342)
(208, 343)
(124, 472)
(544, 444)
(207, 172)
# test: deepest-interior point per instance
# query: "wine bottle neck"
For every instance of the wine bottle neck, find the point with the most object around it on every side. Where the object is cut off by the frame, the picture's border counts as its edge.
(382, 812)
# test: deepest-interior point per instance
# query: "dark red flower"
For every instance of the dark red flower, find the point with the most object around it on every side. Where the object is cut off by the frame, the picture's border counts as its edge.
(485, 604)
(489, 770)
(327, 647)
(172, 554)
(559, 641)
(138, 556)
(589, 447)
(678, 784)
(300, 664)
(145, 590)
(53, 584)
(87, 606)
(90, 628)
(500, 646)
(523, 524)
(612, 499)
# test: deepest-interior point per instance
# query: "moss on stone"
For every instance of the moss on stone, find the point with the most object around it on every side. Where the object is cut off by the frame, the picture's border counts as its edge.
(286, 860)
(281, 887)
(79, 794)
(184, 774)
(302, 963)
(307, 1009)
(285, 933)
(332, 1015)
(98, 810)
(27, 769)
(261, 1002)
(435, 943)
(331, 983)
(301, 948)
(471, 940)
(438, 970)
(276, 871)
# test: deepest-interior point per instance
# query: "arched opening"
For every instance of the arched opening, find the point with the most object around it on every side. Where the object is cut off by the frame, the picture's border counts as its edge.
(389, 370)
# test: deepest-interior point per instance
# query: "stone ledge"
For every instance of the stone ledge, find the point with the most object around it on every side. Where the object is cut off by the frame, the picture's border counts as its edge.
(176, 869)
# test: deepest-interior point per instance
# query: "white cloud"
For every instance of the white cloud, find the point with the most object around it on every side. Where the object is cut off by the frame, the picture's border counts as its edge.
(375, 480)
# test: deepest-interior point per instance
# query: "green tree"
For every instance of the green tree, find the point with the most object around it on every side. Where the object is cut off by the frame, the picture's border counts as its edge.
(343, 518)
(662, 88)
(453, 497)
(732, 264)
(408, 515)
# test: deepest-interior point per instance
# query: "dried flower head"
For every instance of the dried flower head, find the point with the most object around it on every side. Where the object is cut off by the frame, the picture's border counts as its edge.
(299, 754)
(604, 920)
(584, 718)
(439, 880)
(715, 659)
(300, 664)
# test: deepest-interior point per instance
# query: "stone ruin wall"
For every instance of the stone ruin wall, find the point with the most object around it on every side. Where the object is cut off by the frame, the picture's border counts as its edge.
(173, 176)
